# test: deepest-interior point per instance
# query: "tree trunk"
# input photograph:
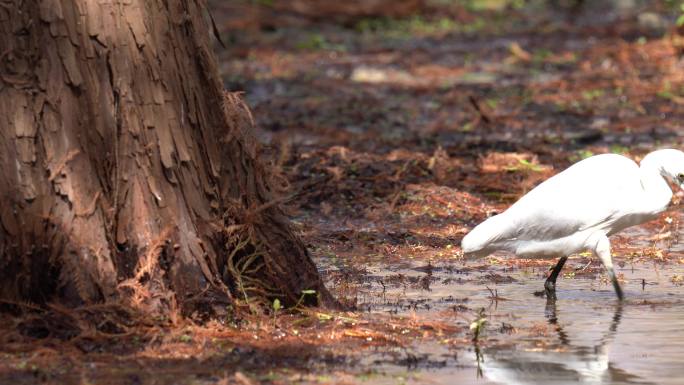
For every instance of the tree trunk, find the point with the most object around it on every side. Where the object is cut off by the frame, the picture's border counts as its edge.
(126, 174)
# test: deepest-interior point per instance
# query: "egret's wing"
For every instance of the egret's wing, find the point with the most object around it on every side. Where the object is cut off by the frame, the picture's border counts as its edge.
(591, 194)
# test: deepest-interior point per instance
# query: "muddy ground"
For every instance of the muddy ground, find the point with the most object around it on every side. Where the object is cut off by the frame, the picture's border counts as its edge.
(393, 136)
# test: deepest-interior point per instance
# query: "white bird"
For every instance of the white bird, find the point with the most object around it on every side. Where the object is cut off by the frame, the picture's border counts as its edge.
(579, 208)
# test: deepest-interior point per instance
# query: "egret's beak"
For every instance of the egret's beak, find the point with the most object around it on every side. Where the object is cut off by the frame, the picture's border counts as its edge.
(680, 182)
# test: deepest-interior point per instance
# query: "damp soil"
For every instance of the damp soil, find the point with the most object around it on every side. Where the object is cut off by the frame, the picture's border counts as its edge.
(392, 137)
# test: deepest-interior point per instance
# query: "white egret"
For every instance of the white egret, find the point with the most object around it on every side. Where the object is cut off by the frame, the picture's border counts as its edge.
(579, 208)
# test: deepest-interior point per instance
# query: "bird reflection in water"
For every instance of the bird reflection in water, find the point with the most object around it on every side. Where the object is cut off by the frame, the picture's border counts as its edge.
(566, 362)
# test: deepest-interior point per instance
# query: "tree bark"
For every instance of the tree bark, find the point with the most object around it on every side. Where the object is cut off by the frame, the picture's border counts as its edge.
(126, 174)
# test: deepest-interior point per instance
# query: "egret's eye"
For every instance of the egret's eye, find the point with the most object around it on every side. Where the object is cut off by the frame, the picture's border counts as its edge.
(680, 176)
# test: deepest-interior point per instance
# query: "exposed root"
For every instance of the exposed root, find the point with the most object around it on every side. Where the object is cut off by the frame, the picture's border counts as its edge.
(147, 274)
(82, 327)
(245, 265)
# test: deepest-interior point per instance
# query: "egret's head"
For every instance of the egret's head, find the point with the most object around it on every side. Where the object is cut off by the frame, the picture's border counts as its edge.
(669, 163)
(672, 165)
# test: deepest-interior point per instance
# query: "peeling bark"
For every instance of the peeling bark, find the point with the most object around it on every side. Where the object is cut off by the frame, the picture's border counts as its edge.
(126, 173)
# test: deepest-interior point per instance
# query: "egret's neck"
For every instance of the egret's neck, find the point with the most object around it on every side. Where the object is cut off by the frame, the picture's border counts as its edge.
(653, 181)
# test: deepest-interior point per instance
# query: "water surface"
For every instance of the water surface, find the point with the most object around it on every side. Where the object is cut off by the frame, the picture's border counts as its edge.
(585, 336)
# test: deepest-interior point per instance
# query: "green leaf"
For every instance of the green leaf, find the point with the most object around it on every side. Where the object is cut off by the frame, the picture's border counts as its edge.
(276, 304)
(309, 291)
(680, 20)
(477, 324)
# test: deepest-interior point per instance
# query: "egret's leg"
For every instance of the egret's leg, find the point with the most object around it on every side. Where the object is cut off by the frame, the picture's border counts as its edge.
(602, 250)
(550, 284)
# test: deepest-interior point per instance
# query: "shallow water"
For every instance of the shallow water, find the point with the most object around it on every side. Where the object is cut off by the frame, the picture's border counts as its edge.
(585, 336)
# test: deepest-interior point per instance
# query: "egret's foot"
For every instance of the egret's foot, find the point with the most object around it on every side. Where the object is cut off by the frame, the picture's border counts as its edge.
(550, 284)
(618, 289)
(550, 289)
(550, 310)
(616, 284)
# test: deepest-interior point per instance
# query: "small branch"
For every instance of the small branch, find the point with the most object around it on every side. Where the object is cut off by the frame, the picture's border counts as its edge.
(479, 109)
